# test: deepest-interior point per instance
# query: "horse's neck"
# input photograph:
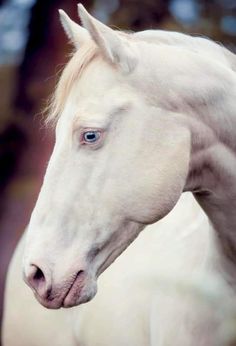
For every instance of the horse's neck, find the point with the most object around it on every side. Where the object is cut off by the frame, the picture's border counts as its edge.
(212, 174)
(216, 193)
(210, 105)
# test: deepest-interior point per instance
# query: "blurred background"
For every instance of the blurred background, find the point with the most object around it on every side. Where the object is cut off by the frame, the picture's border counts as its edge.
(33, 51)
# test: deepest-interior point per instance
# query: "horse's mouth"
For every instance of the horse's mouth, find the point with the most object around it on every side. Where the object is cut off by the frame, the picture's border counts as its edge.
(81, 291)
(83, 288)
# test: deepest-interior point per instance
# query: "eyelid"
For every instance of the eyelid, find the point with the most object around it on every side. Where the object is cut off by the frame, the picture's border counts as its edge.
(90, 123)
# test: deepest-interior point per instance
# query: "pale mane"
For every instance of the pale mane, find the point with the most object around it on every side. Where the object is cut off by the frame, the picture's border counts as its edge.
(72, 72)
(199, 44)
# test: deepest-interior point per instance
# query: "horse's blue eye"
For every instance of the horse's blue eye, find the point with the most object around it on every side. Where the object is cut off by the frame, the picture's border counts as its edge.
(91, 136)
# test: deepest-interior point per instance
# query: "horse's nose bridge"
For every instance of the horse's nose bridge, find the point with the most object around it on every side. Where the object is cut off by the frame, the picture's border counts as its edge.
(52, 248)
(49, 228)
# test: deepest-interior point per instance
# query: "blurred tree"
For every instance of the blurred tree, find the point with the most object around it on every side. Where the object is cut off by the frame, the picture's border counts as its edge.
(139, 15)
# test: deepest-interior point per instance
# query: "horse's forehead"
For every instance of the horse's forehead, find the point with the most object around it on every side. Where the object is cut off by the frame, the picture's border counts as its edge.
(99, 77)
(100, 87)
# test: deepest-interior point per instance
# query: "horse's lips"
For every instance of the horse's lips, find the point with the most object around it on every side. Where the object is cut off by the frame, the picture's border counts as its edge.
(72, 297)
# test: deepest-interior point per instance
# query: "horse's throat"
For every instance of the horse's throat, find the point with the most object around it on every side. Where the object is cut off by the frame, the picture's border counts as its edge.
(213, 183)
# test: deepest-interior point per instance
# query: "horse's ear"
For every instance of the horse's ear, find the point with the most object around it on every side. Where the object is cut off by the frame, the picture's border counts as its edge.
(111, 44)
(74, 31)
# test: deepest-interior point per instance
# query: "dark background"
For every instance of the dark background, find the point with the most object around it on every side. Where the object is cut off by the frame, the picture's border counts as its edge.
(33, 50)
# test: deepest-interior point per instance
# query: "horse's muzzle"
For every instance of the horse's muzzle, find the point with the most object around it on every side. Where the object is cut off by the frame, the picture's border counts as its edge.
(71, 292)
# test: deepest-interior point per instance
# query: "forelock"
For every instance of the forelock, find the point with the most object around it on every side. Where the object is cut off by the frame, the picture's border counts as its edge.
(71, 73)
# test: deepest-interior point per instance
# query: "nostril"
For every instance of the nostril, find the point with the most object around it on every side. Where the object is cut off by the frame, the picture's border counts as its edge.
(39, 275)
(37, 279)
(35, 275)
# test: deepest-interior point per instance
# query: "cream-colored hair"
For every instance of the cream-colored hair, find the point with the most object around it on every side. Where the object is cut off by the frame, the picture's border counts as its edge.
(72, 72)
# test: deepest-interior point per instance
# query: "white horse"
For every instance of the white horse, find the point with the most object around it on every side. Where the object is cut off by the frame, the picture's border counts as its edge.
(141, 118)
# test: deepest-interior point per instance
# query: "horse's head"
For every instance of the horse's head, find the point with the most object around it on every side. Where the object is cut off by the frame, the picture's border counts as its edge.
(120, 162)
